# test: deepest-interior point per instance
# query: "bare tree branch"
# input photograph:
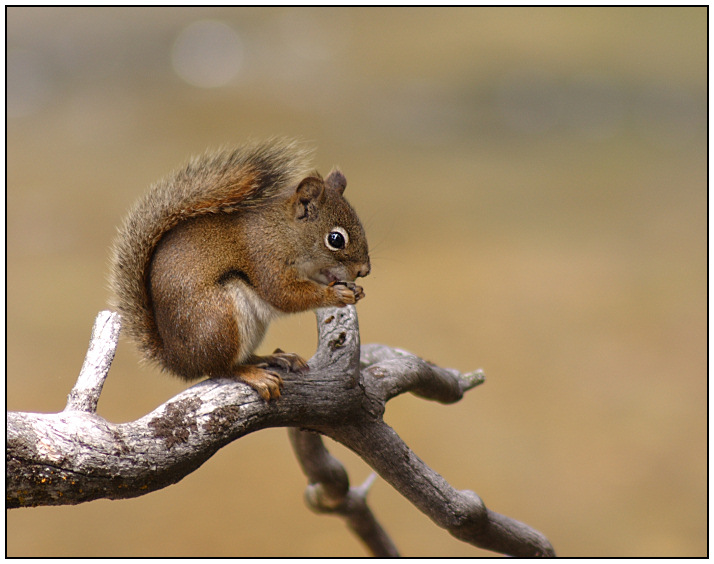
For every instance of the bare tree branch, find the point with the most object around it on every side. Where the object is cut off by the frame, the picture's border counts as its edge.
(102, 346)
(395, 371)
(330, 492)
(76, 456)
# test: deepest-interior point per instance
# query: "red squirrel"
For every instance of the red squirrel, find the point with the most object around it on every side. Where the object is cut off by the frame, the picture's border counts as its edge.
(215, 251)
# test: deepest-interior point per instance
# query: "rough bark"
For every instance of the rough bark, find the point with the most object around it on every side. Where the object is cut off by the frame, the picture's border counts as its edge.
(76, 456)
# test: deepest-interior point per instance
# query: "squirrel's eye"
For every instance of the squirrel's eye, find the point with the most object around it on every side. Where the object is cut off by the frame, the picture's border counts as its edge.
(336, 239)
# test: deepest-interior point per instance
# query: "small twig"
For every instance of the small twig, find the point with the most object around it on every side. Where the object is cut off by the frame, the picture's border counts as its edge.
(329, 492)
(102, 346)
(396, 371)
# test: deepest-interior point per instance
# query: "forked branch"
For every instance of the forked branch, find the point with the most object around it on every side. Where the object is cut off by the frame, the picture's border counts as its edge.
(76, 456)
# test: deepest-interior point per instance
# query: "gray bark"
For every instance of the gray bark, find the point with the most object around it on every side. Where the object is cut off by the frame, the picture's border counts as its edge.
(76, 456)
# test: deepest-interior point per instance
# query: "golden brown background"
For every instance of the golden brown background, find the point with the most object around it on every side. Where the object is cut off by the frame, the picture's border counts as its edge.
(533, 184)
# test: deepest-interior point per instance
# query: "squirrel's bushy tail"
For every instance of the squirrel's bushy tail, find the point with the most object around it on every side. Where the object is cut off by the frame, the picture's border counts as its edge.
(226, 181)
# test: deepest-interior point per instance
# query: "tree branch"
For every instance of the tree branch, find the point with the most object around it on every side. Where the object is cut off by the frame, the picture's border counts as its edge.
(76, 456)
(102, 346)
(330, 492)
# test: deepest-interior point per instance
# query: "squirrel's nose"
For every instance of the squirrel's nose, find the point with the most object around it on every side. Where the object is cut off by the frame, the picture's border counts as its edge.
(364, 270)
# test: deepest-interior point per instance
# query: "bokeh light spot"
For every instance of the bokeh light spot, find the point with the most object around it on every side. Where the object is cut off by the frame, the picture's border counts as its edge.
(207, 54)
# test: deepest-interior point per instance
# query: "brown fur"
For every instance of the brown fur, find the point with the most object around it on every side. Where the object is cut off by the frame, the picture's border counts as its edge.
(213, 183)
(210, 253)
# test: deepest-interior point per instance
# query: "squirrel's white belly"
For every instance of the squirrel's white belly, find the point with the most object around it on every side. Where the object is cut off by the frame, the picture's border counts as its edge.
(252, 314)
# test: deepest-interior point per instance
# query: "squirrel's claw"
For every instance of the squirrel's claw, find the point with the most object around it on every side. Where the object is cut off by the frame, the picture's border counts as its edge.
(291, 362)
(347, 292)
(266, 382)
(257, 374)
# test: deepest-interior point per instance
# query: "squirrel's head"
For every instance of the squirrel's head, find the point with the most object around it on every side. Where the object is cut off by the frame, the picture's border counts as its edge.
(329, 230)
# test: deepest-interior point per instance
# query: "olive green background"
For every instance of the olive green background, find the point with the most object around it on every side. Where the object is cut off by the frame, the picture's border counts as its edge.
(533, 182)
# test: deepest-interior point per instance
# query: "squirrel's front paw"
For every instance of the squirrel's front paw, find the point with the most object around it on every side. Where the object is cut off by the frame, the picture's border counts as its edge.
(347, 292)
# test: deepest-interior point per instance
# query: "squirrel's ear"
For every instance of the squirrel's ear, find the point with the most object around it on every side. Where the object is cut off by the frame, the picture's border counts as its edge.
(336, 181)
(308, 196)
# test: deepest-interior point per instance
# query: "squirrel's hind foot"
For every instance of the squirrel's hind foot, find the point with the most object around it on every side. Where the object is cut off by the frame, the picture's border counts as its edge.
(290, 362)
(257, 374)
(266, 382)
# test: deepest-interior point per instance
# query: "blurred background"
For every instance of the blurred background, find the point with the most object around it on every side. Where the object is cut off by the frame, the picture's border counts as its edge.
(533, 182)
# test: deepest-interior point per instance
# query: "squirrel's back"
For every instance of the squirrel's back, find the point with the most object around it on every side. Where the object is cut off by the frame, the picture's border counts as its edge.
(221, 182)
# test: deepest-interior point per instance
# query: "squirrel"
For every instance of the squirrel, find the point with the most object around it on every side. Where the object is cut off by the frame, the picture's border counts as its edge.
(215, 251)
